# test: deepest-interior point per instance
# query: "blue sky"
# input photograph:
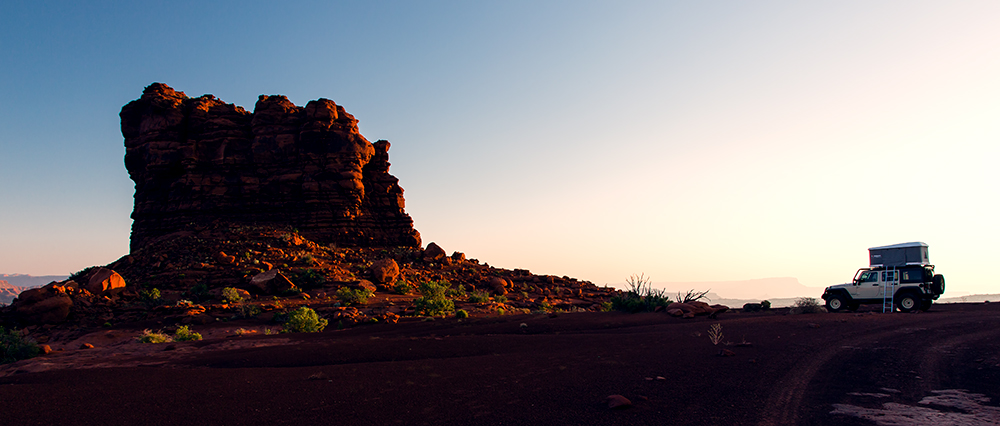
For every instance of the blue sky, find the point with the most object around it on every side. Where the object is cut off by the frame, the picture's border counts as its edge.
(690, 141)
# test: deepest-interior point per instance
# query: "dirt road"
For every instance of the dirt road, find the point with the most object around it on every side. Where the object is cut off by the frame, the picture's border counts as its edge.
(935, 367)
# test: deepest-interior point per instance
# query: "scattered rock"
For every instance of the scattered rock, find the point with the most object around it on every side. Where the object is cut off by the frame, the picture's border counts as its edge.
(271, 282)
(617, 402)
(384, 271)
(726, 352)
(86, 346)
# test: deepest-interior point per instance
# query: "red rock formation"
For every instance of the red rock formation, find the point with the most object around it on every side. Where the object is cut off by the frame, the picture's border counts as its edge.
(200, 160)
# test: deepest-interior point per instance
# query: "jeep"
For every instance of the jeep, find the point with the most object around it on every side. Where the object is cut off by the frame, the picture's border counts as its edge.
(899, 277)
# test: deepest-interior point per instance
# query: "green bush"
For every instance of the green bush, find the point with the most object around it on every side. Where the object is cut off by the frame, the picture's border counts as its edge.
(231, 295)
(308, 278)
(14, 346)
(433, 300)
(304, 320)
(350, 296)
(457, 291)
(639, 296)
(461, 313)
(150, 297)
(184, 334)
(500, 298)
(479, 296)
(401, 287)
(199, 292)
(148, 336)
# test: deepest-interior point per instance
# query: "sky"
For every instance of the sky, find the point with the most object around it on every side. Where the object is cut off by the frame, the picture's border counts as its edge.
(687, 141)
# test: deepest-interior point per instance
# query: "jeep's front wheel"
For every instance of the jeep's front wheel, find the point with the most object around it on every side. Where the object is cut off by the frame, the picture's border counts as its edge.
(907, 302)
(836, 303)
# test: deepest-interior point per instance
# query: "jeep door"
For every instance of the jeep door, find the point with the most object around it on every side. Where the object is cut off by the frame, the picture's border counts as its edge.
(867, 286)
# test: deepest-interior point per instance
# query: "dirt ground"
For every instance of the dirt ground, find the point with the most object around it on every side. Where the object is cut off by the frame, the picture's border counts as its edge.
(936, 367)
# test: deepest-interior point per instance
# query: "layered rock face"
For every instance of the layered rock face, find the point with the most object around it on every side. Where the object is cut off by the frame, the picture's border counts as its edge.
(196, 161)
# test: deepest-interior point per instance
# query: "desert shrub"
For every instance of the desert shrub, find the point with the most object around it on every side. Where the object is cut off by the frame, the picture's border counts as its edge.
(461, 313)
(457, 291)
(304, 320)
(806, 305)
(149, 336)
(199, 292)
(765, 305)
(348, 296)
(308, 278)
(150, 297)
(184, 334)
(479, 296)
(500, 298)
(691, 296)
(15, 347)
(248, 310)
(433, 299)
(401, 287)
(231, 295)
(501, 312)
(639, 296)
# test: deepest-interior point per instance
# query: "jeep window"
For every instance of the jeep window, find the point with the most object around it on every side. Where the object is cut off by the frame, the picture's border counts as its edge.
(888, 276)
(869, 276)
(912, 276)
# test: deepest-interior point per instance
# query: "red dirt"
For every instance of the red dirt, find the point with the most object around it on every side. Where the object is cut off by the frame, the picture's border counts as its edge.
(496, 371)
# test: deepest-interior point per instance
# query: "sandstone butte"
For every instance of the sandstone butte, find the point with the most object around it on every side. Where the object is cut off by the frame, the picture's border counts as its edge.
(198, 160)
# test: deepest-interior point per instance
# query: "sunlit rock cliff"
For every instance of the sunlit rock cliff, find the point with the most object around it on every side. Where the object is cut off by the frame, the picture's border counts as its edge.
(197, 161)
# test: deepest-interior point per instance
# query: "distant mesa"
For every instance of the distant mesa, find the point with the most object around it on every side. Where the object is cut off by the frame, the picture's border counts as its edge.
(198, 161)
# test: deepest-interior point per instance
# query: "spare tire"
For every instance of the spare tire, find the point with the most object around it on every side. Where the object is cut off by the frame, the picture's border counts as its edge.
(937, 286)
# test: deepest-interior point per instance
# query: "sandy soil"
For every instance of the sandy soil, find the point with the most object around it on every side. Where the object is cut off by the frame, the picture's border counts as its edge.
(937, 367)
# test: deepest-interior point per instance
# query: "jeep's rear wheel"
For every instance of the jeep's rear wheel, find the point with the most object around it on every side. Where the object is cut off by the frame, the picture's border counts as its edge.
(836, 303)
(907, 302)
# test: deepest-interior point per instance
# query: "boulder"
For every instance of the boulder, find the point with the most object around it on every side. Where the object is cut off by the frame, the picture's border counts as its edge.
(105, 281)
(271, 282)
(499, 285)
(691, 309)
(43, 306)
(384, 271)
(434, 253)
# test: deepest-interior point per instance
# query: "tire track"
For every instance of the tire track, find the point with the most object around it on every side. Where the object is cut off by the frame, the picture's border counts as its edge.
(783, 405)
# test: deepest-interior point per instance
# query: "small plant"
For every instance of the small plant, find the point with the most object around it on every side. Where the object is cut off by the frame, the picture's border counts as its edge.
(715, 333)
(148, 336)
(691, 296)
(308, 278)
(14, 346)
(150, 297)
(434, 300)
(199, 292)
(184, 334)
(268, 332)
(242, 331)
(501, 312)
(500, 298)
(350, 296)
(457, 291)
(461, 313)
(765, 305)
(606, 306)
(248, 310)
(304, 320)
(479, 296)
(401, 287)
(231, 295)
(806, 305)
